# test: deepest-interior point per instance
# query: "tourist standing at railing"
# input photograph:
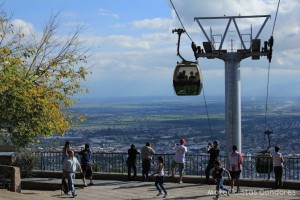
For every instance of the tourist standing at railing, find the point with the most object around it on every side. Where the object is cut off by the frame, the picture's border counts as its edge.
(235, 167)
(86, 164)
(65, 156)
(179, 159)
(131, 161)
(70, 166)
(213, 151)
(65, 150)
(146, 154)
(278, 167)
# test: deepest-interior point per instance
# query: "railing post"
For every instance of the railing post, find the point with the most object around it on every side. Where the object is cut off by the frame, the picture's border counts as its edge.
(41, 161)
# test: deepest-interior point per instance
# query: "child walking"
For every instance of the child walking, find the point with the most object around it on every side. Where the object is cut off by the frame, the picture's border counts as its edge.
(218, 175)
(159, 181)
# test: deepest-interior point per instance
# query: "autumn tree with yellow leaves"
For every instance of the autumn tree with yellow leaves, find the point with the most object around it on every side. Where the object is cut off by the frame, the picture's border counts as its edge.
(39, 76)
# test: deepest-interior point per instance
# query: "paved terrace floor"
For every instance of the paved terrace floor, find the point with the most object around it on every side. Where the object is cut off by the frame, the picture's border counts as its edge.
(136, 190)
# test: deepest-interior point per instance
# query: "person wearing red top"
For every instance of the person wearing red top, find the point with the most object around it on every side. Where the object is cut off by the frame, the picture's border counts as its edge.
(235, 167)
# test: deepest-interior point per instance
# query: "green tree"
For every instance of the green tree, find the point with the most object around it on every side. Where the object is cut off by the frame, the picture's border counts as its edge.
(39, 76)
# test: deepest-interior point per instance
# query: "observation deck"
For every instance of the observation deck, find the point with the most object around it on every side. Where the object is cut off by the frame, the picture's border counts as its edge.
(110, 180)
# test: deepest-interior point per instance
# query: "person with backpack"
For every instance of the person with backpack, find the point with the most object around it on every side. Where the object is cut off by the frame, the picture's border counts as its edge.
(86, 164)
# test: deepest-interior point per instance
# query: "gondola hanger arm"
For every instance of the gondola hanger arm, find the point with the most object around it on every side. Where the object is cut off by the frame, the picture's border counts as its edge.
(179, 31)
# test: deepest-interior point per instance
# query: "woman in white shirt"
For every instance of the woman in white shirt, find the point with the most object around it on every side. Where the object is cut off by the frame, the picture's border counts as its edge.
(159, 181)
(278, 167)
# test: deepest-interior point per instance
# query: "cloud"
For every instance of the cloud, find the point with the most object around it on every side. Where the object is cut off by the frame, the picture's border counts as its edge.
(126, 42)
(75, 24)
(156, 23)
(287, 7)
(136, 52)
(70, 14)
(107, 13)
(187, 10)
(287, 27)
(131, 56)
(118, 26)
(25, 27)
(116, 42)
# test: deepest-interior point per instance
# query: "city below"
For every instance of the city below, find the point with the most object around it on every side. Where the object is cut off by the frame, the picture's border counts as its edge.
(113, 125)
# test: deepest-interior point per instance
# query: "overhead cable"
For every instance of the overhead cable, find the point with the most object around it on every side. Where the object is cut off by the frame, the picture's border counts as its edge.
(275, 17)
(180, 20)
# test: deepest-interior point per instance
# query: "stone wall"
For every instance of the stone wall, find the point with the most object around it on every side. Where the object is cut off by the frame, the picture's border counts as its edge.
(7, 158)
(12, 176)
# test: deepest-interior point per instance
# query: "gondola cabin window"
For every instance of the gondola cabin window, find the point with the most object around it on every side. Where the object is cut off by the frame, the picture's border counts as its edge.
(187, 80)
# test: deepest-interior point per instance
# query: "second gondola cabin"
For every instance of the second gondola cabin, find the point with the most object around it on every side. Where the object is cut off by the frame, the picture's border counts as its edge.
(264, 162)
(187, 80)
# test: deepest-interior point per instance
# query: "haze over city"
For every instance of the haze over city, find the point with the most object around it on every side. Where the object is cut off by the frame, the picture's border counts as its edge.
(133, 50)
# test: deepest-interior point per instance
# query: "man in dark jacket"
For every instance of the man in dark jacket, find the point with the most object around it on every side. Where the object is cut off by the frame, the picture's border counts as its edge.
(131, 161)
(86, 164)
(213, 151)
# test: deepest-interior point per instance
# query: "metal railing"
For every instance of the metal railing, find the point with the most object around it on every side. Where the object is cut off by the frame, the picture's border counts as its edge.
(195, 164)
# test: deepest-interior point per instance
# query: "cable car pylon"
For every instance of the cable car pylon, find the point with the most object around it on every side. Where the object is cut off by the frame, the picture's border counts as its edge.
(232, 61)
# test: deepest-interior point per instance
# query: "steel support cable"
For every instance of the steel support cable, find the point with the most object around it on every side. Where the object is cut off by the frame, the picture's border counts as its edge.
(269, 67)
(267, 97)
(209, 124)
(206, 108)
(275, 17)
(268, 132)
(180, 20)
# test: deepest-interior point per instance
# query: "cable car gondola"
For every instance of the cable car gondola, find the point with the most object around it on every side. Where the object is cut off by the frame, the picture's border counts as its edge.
(264, 161)
(187, 80)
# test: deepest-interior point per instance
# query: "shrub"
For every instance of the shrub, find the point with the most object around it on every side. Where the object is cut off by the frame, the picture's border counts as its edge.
(25, 160)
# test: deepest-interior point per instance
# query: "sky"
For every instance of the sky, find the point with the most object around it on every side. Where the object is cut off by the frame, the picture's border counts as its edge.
(133, 51)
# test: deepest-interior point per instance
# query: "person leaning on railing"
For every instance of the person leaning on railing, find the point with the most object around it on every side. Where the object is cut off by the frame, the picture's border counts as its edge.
(278, 167)
(146, 155)
(86, 164)
(131, 161)
(235, 167)
(65, 150)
